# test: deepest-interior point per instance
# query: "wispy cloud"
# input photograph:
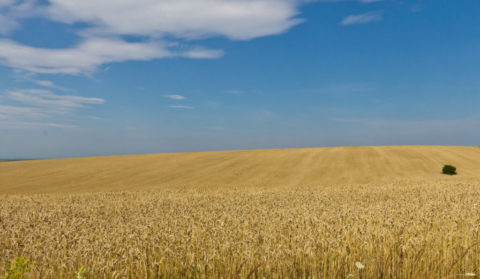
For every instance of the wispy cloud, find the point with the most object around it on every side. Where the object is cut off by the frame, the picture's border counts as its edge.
(13, 10)
(87, 56)
(175, 97)
(49, 84)
(35, 107)
(370, 1)
(7, 24)
(11, 112)
(32, 125)
(235, 92)
(95, 117)
(46, 98)
(363, 18)
(180, 107)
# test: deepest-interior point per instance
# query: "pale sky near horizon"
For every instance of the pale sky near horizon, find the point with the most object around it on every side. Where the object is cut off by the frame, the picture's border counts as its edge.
(89, 78)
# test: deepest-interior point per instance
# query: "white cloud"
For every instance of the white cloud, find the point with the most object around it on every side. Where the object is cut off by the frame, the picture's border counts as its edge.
(52, 101)
(85, 57)
(5, 3)
(27, 107)
(7, 24)
(151, 20)
(201, 53)
(49, 84)
(175, 97)
(45, 83)
(10, 112)
(370, 1)
(234, 19)
(181, 107)
(13, 10)
(159, 23)
(95, 117)
(362, 18)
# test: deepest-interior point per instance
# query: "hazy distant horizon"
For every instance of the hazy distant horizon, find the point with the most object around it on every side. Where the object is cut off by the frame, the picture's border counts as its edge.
(206, 150)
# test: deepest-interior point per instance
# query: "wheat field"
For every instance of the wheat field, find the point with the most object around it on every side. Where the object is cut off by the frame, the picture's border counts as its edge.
(275, 168)
(352, 212)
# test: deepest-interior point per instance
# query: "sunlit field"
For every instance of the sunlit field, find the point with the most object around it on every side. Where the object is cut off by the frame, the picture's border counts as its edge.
(423, 226)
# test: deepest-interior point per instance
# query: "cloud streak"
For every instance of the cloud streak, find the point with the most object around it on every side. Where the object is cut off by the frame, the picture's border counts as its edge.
(370, 1)
(52, 101)
(235, 92)
(34, 107)
(49, 84)
(175, 97)
(362, 18)
(87, 56)
(180, 107)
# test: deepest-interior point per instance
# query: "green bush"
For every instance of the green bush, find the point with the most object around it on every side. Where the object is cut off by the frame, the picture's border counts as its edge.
(450, 170)
(17, 268)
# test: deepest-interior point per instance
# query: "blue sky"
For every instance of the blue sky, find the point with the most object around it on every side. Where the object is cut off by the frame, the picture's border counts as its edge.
(81, 78)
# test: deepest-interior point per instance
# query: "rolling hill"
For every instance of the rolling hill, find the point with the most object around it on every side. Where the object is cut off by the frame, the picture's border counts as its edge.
(251, 168)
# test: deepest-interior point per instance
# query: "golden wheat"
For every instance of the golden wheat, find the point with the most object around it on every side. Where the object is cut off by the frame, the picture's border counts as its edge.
(297, 213)
(397, 230)
(252, 168)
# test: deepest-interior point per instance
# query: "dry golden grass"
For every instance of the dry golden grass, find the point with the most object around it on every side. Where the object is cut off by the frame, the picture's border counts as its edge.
(426, 226)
